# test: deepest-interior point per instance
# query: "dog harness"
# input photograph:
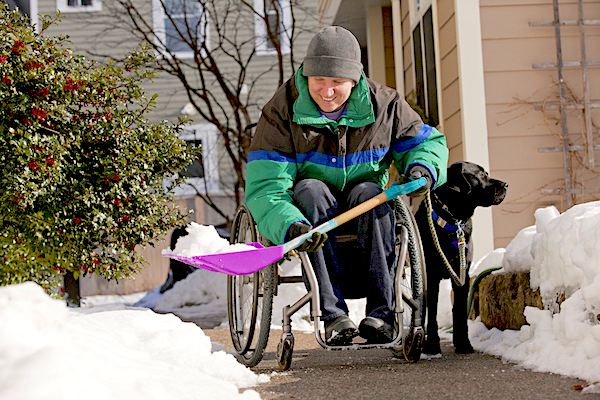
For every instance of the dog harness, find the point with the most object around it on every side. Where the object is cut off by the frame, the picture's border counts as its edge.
(442, 223)
(462, 245)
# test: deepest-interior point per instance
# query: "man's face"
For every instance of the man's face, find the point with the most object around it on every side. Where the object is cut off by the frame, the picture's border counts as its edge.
(329, 93)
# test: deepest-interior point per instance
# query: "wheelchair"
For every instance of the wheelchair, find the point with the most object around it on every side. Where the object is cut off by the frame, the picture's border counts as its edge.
(250, 297)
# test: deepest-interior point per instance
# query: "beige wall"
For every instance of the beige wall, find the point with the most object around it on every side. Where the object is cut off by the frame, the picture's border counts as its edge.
(449, 98)
(409, 81)
(513, 88)
(515, 129)
(450, 91)
(376, 45)
(381, 45)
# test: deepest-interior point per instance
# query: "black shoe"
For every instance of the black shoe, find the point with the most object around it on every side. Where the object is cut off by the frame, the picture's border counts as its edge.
(376, 330)
(340, 331)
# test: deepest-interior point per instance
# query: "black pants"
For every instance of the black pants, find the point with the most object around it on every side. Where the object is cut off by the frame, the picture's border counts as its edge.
(370, 268)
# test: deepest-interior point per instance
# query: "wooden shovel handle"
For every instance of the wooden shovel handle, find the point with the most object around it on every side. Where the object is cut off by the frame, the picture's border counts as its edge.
(361, 208)
(390, 193)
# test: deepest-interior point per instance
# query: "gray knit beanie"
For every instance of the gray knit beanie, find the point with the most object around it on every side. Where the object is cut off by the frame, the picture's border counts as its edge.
(334, 52)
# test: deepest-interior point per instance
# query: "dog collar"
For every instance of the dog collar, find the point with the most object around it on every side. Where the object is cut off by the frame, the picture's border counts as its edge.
(442, 223)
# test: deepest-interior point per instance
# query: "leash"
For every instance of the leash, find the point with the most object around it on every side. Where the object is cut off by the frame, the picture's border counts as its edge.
(461, 243)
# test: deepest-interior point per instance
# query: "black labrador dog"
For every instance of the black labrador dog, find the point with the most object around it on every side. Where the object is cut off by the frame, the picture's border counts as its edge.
(468, 187)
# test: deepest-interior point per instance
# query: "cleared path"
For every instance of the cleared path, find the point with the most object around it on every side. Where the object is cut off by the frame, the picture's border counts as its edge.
(374, 374)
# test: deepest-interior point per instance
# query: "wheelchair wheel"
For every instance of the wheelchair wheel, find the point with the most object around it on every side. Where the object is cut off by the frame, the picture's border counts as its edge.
(249, 298)
(413, 288)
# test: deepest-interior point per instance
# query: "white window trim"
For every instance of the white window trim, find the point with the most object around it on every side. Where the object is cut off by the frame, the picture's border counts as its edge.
(160, 40)
(207, 133)
(260, 28)
(63, 7)
(33, 17)
(473, 110)
(33, 5)
(417, 15)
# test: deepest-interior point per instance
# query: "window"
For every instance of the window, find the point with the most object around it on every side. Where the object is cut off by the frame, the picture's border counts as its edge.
(68, 6)
(179, 26)
(195, 169)
(203, 174)
(424, 61)
(278, 18)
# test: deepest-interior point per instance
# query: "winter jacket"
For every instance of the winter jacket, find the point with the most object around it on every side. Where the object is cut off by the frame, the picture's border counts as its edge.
(293, 141)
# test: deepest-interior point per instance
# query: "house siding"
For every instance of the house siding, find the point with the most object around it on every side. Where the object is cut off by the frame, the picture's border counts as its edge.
(513, 88)
(450, 86)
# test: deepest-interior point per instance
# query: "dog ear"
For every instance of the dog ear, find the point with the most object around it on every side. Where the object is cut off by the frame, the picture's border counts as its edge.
(457, 180)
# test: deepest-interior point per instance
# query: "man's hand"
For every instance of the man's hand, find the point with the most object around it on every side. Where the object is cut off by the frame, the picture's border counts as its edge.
(312, 244)
(415, 172)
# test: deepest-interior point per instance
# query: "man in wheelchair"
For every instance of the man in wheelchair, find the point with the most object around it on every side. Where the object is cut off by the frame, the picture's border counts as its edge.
(323, 144)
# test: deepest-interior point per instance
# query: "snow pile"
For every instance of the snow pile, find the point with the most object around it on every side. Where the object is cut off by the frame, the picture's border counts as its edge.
(200, 287)
(48, 351)
(489, 261)
(566, 252)
(562, 252)
(518, 257)
(203, 240)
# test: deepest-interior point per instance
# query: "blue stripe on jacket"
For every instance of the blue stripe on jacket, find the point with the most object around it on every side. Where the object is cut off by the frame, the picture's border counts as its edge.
(409, 144)
(351, 159)
(320, 158)
(367, 156)
(269, 155)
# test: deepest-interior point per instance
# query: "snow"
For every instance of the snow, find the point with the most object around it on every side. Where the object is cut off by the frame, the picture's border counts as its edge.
(50, 351)
(566, 252)
(203, 240)
(120, 349)
(562, 253)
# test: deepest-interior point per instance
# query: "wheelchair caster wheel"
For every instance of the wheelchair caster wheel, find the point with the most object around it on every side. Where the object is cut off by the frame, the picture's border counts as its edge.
(285, 348)
(397, 351)
(412, 344)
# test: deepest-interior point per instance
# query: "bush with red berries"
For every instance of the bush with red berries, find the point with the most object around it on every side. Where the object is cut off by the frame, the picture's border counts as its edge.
(82, 168)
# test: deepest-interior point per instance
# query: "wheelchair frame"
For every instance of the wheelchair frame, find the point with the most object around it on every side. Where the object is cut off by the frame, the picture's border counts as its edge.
(250, 297)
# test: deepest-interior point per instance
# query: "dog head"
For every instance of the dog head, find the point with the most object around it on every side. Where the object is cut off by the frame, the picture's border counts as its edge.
(469, 186)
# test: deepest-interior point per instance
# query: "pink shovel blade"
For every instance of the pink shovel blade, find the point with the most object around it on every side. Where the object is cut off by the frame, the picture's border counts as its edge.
(238, 263)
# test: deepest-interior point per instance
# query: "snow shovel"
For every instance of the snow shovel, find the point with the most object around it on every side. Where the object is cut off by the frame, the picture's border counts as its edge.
(249, 261)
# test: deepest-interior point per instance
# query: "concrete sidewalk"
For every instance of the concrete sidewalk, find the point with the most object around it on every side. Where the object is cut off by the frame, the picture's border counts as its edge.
(375, 374)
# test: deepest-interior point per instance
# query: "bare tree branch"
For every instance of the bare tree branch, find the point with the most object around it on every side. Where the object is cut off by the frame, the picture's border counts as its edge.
(223, 75)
